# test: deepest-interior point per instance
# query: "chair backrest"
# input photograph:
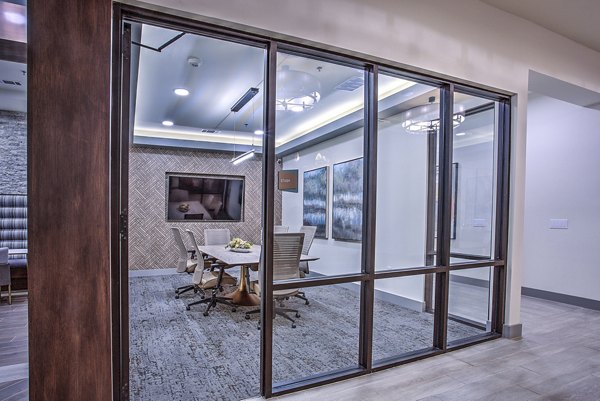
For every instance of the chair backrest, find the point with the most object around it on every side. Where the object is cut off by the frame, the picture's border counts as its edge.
(182, 260)
(287, 248)
(199, 271)
(281, 229)
(217, 236)
(309, 236)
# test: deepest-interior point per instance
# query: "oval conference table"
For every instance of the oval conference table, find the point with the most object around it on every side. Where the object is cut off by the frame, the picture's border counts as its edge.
(242, 296)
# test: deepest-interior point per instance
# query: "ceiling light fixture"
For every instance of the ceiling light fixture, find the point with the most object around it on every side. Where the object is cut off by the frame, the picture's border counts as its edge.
(461, 133)
(259, 132)
(167, 123)
(246, 97)
(181, 91)
(15, 18)
(425, 118)
(296, 90)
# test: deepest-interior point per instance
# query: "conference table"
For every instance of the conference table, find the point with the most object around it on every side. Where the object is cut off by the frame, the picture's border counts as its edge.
(246, 260)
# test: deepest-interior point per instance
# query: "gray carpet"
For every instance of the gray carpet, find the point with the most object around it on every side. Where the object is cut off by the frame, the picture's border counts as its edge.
(182, 355)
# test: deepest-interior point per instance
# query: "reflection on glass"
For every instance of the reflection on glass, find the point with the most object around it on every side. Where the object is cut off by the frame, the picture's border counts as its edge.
(474, 185)
(468, 303)
(325, 337)
(319, 140)
(400, 325)
(406, 168)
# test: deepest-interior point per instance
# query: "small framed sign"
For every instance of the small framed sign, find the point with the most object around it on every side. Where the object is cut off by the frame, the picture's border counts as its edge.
(288, 180)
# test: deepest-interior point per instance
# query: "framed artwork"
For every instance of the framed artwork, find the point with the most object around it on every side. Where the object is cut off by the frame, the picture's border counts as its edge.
(348, 200)
(314, 202)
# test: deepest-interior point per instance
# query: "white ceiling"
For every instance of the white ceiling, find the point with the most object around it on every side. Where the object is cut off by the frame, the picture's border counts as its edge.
(227, 70)
(578, 20)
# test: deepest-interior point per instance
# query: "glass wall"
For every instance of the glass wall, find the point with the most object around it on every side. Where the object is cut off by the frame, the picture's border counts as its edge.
(474, 178)
(342, 302)
(320, 140)
(469, 303)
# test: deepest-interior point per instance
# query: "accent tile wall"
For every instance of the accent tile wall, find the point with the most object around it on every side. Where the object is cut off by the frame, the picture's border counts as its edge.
(151, 244)
(13, 152)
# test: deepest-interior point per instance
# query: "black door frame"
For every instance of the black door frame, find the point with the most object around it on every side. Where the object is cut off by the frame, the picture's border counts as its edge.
(372, 66)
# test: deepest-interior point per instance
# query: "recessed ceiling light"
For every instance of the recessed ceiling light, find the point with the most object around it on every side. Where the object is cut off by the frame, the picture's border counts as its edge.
(167, 123)
(461, 133)
(181, 92)
(259, 132)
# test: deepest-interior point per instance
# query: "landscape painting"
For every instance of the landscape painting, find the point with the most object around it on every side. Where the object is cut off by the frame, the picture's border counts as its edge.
(347, 200)
(315, 201)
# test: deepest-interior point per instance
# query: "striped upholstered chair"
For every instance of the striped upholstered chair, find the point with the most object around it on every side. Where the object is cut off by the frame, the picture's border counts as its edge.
(13, 235)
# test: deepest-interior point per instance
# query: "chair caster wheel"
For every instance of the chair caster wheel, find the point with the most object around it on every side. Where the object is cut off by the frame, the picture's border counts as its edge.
(247, 317)
(176, 291)
(205, 313)
(187, 308)
(195, 290)
(297, 315)
(177, 296)
(202, 297)
(257, 327)
(306, 303)
(293, 326)
(233, 309)
(220, 289)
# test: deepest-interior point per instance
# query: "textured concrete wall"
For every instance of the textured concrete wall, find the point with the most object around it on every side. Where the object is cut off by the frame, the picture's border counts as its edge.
(151, 243)
(13, 152)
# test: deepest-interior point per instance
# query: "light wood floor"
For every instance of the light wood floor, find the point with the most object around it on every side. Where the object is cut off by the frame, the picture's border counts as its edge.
(14, 366)
(558, 358)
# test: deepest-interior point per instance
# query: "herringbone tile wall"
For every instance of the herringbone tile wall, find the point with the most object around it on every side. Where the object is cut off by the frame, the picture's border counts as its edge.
(151, 244)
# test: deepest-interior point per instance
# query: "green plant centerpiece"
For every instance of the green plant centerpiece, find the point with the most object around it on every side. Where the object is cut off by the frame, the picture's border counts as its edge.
(239, 245)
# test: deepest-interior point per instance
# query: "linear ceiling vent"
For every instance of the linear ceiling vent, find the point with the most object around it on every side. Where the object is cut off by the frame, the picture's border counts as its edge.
(351, 84)
(14, 83)
(209, 131)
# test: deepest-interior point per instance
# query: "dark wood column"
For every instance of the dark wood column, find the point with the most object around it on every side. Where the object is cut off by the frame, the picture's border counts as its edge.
(68, 145)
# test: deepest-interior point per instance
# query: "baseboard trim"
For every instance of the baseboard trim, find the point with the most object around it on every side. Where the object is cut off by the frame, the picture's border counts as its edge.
(477, 282)
(562, 298)
(512, 330)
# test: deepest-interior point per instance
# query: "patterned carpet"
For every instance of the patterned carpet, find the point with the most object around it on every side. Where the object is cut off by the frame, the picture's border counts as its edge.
(182, 355)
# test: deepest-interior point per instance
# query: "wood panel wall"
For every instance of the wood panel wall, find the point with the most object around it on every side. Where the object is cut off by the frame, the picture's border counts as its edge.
(69, 271)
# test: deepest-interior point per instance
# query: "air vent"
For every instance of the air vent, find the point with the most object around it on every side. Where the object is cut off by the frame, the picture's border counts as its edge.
(351, 84)
(14, 83)
(210, 131)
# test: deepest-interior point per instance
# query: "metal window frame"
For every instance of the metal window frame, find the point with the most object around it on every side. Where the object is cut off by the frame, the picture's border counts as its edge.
(372, 67)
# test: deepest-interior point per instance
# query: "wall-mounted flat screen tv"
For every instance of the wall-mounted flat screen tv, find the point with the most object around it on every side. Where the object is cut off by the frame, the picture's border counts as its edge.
(197, 197)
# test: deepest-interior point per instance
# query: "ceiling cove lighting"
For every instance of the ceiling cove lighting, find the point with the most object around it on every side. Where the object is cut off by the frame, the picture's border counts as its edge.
(243, 157)
(296, 90)
(425, 118)
(246, 97)
(167, 123)
(181, 91)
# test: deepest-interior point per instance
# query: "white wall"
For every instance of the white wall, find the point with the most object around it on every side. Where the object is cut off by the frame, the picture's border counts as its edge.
(336, 257)
(462, 38)
(562, 182)
(401, 206)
